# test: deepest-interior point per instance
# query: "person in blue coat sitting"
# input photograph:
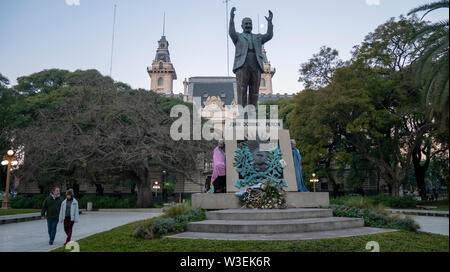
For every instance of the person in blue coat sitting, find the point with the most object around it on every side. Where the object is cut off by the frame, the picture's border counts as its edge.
(298, 167)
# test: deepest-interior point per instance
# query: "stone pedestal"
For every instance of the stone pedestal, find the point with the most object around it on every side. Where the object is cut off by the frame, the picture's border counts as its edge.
(284, 141)
(231, 201)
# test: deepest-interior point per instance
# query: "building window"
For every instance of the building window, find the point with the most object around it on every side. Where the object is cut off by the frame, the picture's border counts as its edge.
(160, 81)
(263, 82)
(161, 65)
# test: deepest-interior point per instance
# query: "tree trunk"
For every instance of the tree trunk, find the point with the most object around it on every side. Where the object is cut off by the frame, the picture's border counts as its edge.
(395, 189)
(99, 189)
(420, 179)
(392, 183)
(144, 189)
(420, 170)
(378, 182)
(144, 195)
(331, 180)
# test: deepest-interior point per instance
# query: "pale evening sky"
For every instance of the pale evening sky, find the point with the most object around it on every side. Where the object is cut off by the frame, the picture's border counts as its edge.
(76, 34)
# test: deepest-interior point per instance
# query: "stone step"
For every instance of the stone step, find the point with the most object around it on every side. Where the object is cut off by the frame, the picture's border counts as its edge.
(275, 226)
(340, 233)
(249, 214)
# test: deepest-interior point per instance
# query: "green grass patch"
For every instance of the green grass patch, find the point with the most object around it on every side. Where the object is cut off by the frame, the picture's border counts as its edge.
(121, 240)
(18, 211)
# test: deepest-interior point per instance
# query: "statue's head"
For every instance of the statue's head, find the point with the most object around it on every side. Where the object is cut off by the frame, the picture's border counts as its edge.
(247, 25)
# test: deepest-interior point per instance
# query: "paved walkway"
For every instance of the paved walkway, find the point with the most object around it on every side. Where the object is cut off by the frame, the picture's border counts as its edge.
(33, 236)
(420, 212)
(19, 216)
(438, 225)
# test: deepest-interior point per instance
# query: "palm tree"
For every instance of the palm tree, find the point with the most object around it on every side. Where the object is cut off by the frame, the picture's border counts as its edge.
(433, 65)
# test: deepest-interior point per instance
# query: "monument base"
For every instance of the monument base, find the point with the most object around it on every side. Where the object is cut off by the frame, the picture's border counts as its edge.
(231, 201)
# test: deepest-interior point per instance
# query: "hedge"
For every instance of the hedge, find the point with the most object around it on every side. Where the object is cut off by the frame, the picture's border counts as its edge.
(374, 219)
(98, 202)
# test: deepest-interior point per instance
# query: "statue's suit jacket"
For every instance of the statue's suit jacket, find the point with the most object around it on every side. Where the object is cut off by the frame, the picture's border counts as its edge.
(241, 42)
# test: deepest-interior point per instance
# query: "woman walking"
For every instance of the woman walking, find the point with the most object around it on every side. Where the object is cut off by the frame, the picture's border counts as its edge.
(68, 214)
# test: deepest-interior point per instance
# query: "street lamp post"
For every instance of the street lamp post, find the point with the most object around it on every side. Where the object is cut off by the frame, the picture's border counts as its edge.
(314, 180)
(156, 187)
(8, 160)
(163, 185)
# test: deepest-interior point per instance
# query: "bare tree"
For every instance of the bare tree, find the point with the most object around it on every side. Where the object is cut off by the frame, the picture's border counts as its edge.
(102, 132)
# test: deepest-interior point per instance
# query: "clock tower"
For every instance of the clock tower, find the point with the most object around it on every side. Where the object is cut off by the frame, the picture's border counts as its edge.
(162, 73)
(266, 77)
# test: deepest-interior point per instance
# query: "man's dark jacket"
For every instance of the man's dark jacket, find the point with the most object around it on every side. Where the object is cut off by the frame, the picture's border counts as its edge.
(51, 206)
(241, 40)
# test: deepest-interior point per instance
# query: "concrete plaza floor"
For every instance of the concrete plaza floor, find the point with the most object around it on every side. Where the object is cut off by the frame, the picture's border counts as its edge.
(432, 224)
(33, 236)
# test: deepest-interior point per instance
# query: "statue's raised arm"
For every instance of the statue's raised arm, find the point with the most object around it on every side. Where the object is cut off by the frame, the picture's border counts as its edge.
(233, 34)
(269, 35)
(249, 59)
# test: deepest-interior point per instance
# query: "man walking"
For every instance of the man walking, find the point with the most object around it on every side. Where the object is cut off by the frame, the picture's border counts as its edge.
(50, 210)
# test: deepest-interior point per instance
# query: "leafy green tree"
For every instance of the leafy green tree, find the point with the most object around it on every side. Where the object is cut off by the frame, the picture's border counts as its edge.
(389, 133)
(433, 66)
(369, 118)
(286, 108)
(4, 82)
(319, 70)
(319, 131)
(6, 99)
(44, 82)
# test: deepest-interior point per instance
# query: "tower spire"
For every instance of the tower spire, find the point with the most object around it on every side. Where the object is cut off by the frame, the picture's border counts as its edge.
(162, 72)
(164, 24)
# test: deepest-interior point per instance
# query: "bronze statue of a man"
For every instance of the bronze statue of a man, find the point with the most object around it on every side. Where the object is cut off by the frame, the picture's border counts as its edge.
(248, 62)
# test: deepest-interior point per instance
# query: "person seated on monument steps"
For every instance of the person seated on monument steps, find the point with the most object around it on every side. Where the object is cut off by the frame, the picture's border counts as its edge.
(219, 179)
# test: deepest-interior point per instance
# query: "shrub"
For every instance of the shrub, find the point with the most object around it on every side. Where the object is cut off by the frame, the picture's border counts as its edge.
(23, 202)
(177, 209)
(407, 201)
(376, 203)
(374, 219)
(108, 202)
(361, 203)
(164, 226)
(99, 202)
(143, 232)
(157, 227)
(406, 223)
